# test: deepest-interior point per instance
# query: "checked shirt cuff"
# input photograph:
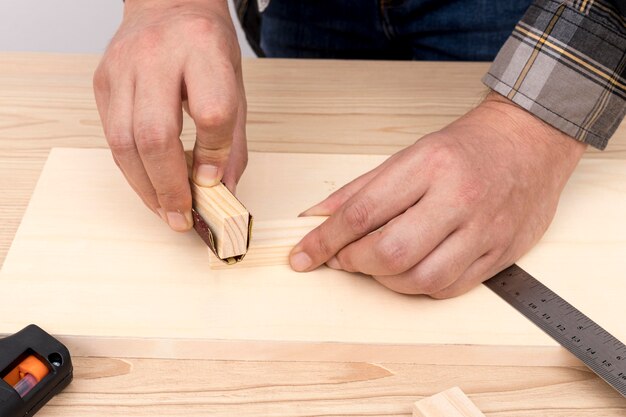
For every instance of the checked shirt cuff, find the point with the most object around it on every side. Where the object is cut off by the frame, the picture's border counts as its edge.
(565, 62)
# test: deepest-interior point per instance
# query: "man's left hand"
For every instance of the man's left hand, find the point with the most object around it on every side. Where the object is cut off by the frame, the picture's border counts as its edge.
(450, 211)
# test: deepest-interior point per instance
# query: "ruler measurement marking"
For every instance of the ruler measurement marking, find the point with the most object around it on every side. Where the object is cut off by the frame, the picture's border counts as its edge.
(588, 341)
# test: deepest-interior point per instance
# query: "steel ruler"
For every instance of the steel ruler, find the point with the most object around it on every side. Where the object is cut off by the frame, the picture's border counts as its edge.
(597, 348)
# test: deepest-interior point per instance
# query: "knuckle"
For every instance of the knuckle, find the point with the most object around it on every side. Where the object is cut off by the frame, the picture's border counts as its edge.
(344, 257)
(216, 117)
(322, 247)
(152, 138)
(393, 255)
(149, 39)
(320, 243)
(201, 26)
(442, 156)
(99, 80)
(211, 153)
(120, 143)
(220, 33)
(426, 281)
(358, 216)
(177, 196)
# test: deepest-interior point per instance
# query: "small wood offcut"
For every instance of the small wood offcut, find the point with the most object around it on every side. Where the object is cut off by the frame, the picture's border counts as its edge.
(220, 219)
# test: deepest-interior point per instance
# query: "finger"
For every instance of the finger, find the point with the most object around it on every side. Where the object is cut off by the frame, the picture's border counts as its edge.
(482, 269)
(383, 198)
(238, 159)
(157, 125)
(440, 269)
(159, 211)
(329, 205)
(122, 143)
(212, 92)
(403, 242)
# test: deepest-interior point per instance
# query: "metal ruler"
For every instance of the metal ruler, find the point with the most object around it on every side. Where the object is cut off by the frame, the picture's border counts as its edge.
(597, 348)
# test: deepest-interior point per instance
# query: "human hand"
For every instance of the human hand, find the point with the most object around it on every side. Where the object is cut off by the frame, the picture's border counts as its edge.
(166, 55)
(450, 211)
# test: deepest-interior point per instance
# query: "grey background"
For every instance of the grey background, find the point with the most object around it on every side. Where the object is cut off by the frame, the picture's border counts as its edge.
(65, 25)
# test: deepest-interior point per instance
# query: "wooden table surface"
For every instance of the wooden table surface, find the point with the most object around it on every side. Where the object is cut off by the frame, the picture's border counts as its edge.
(294, 106)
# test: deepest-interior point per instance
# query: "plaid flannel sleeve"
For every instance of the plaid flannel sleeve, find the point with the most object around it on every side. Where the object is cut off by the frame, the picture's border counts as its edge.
(565, 62)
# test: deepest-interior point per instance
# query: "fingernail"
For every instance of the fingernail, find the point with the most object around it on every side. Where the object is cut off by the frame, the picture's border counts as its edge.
(178, 221)
(161, 213)
(333, 263)
(300, 262)
(206, 175)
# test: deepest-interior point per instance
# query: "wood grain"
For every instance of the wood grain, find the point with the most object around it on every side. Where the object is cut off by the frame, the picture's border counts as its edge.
(74, 236)
(148, 387)
(449, 403)
(46, 101)
(226, 218)
(272, 241)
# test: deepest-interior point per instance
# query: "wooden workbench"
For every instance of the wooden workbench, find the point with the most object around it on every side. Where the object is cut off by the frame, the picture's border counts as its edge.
(375, 107)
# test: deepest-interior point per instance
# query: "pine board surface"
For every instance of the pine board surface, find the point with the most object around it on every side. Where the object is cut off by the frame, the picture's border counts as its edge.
(105, 387)
(46, 101)
(98, 264)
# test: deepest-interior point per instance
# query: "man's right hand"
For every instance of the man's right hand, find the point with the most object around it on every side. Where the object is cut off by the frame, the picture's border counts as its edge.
(166, 55)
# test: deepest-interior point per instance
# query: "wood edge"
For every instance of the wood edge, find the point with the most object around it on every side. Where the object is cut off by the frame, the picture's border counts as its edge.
(251, 350)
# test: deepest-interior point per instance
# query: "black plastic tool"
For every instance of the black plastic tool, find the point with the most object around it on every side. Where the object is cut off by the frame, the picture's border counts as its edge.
(34, 367)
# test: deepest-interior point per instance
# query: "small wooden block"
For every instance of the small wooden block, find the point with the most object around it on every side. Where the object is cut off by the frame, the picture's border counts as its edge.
(272, 241)
(449, 403)
(224, 215)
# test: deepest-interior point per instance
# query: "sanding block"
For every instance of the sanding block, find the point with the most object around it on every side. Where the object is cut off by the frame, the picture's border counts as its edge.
(222, 222)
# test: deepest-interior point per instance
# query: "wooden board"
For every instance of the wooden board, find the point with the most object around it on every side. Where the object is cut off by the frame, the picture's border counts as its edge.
(46, 100)
(98, 267)
(105, 387)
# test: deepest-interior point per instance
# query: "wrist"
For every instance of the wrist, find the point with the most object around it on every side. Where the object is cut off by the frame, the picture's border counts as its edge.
(531, 129)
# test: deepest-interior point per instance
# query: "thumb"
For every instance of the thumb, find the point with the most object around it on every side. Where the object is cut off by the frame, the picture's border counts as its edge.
(212, 99)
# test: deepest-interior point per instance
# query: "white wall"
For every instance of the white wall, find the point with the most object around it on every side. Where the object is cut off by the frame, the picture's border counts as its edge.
(64, 25)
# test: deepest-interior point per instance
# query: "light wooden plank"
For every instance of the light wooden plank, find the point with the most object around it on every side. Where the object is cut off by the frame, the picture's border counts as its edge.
(105, 387)
(46, 100)
(449, 403)
(98, 265)
(233, 350)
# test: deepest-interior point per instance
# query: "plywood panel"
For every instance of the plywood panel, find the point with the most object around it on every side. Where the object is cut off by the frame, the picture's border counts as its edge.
(95, 263)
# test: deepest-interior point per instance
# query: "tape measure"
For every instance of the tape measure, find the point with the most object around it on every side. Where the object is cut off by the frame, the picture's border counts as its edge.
(597, 348)
(34, 367)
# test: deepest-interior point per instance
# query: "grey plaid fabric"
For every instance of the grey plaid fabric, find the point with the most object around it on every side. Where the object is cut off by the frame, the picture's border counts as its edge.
(565, 62)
